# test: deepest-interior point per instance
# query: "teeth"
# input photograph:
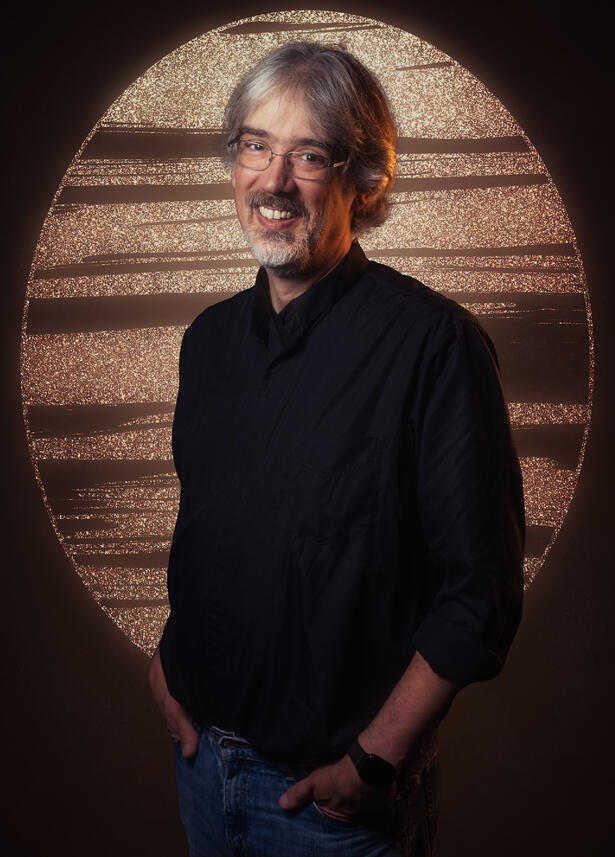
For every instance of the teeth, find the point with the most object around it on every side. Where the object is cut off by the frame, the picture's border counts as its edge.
(275, 213)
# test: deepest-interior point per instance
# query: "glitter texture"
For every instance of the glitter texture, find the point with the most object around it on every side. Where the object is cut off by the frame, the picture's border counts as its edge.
(105, 367)
(142, 235)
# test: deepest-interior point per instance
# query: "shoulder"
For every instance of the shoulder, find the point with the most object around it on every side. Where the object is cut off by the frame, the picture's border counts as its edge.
(423, 311)
(219, 314)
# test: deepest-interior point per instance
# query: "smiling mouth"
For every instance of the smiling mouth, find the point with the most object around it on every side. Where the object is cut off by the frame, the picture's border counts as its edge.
(275, 213)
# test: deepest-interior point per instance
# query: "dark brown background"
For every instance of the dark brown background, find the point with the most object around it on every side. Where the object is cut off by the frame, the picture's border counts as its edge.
(528, 758)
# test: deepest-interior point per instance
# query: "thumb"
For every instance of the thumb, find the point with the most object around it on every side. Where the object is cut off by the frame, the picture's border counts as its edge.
(188, 737)
(298, 795)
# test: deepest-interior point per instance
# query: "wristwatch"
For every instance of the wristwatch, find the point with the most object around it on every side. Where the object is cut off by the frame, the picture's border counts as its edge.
(373, 769)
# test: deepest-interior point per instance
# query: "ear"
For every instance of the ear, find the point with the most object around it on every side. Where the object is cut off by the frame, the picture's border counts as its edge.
(360, 201)
(233, 176)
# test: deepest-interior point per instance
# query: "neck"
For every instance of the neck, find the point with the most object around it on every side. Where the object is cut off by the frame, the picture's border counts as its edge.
(282, 290)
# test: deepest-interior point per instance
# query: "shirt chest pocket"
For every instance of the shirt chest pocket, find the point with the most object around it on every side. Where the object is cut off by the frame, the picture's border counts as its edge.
(331, 483)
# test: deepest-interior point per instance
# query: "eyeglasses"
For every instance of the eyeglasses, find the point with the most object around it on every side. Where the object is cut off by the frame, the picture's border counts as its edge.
(302, 164)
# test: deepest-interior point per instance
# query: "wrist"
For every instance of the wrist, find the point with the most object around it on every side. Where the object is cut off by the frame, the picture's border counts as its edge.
(376, 771)
(385, 749)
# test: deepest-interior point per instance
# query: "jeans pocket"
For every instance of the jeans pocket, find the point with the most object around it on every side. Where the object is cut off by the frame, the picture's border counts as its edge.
(337, 822)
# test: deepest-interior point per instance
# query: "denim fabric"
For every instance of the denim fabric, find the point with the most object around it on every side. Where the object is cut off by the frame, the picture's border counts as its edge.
(228, 799)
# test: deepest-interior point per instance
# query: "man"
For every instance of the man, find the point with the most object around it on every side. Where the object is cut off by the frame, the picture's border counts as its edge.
(348, 546)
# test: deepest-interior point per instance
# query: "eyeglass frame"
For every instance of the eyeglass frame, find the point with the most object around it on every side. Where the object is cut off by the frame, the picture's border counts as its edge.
(234, 142)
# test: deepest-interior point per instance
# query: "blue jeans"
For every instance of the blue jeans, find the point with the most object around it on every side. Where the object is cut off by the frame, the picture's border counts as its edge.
(228, 800)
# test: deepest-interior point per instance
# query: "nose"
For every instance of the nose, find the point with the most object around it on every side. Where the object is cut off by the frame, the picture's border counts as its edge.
(277, 176)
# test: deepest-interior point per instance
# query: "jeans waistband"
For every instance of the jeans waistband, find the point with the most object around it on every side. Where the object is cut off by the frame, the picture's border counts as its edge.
(225, 734)
(413, 768)
(288, 761)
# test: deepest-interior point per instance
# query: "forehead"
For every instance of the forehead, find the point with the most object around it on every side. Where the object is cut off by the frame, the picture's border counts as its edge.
(284, 116)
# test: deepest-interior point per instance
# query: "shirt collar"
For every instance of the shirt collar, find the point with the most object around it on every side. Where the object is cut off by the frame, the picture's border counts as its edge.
(302, 312)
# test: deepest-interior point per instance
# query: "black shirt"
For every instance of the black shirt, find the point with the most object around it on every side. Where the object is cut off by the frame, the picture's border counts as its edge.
(349, 494)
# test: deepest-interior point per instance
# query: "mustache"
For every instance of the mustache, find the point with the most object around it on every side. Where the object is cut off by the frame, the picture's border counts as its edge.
(278, 201)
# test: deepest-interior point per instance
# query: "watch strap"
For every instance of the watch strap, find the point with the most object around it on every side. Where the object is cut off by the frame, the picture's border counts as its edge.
(373, 769)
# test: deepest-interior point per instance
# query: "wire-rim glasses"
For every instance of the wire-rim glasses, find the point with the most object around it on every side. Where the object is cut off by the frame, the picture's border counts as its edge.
(303, 163)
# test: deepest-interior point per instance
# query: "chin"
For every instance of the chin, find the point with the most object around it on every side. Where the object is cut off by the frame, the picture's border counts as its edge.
(287, 258)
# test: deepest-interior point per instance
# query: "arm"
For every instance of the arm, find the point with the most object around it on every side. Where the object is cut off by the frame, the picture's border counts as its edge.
(417, 703)
(178, 723)
(470, 503)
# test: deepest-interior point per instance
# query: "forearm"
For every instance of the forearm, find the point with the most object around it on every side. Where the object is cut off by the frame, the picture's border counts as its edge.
(417, 703)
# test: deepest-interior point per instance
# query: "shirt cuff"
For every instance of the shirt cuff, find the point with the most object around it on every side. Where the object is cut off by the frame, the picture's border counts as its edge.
(453, 652)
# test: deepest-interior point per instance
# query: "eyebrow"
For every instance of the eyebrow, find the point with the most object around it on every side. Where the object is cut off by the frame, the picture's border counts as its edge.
(304, 141)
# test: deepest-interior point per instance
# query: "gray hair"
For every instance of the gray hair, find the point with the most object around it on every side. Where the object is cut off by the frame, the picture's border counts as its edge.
(347, 102)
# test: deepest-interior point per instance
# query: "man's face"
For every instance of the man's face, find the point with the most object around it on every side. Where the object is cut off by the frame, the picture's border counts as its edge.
(317, 234)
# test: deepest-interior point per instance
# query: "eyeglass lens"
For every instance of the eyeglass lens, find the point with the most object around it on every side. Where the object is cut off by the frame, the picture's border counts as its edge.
(258, 156)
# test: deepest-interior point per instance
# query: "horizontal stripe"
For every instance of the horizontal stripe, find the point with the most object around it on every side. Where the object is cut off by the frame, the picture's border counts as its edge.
(129, 312)
(63, 478)
(254, 27)
(132, 602)
(443, 64)
(159, 559)
(124, 194)
(469, 182)
(177, 143)
(562, 249)
(558, 441)
(537, 539)
(72, 315)
(61, 420)
(154, 143)
(87, 269)
(117, 194)
(460, 145)
(157, 262)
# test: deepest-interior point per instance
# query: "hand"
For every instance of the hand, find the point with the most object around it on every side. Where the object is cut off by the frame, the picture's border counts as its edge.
(175, 715)
(339, 792)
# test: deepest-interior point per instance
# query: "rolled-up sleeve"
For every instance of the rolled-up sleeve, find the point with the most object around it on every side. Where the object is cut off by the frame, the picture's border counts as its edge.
(470, 501)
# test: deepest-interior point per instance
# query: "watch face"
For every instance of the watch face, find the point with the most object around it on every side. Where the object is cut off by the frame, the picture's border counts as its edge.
(376, 771)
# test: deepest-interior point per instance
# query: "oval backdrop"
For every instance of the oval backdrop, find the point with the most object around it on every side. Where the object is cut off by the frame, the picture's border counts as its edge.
(142, 235)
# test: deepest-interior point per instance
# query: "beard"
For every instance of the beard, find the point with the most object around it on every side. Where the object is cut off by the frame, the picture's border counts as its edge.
(282, 252)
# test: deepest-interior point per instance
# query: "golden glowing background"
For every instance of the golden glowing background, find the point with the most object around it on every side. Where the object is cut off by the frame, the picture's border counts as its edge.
(142, 235)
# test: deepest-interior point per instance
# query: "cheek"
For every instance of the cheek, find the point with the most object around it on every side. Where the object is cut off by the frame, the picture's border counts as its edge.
(337, 215)
(241, 180)
(321, 208)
